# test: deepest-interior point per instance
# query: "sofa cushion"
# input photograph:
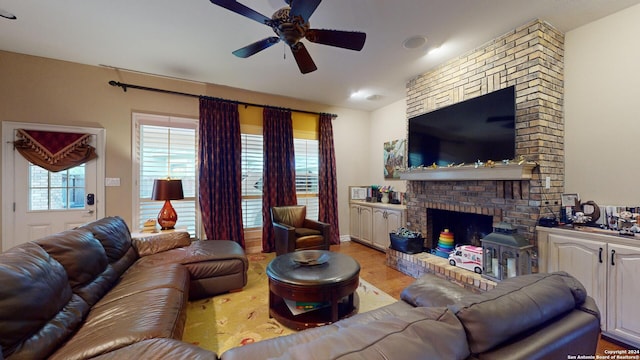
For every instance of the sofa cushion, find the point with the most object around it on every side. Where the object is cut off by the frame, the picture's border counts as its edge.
(38, 310)
(114, 235)
(81, 255)
(514, 306)
(300, 232)
(139, 279)
(412, 335)
(155, 313)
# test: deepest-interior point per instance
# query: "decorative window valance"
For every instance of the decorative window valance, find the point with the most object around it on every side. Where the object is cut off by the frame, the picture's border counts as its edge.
(53, 150)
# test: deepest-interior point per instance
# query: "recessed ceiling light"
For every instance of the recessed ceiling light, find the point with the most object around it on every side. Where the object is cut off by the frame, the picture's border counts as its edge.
(435, 50)
(356, 94)
(374, 97)
(5, 14)
(414, 42)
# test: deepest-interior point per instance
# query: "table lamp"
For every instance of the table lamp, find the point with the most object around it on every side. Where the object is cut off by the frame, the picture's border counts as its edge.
(167, 189)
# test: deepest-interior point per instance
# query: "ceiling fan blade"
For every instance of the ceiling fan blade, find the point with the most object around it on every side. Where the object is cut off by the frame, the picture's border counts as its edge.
(352, 40)
(304, 60)
(303, 8)
(257, 46)
(243, 10)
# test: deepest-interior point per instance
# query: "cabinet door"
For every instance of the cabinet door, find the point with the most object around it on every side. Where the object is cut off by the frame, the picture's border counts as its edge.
(586, 260)
(354, 221)
(380, 229)
(623, 315)
(394, 220)
(365, 224)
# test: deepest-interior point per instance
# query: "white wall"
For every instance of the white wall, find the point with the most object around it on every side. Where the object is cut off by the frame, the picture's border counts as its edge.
(602, 115)
(386, 124)
(352, 152)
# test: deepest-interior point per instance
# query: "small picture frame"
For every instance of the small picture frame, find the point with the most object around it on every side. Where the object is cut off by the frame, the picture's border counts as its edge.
(569, 199)
(358, 193)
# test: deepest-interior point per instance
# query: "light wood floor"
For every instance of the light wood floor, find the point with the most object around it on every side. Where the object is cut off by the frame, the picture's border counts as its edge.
(373, 269)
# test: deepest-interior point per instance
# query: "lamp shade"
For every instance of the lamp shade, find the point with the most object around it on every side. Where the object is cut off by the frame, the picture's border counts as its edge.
(167, 189)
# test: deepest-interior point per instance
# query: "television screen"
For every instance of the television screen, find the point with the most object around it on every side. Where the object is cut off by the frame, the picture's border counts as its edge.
(482, 128)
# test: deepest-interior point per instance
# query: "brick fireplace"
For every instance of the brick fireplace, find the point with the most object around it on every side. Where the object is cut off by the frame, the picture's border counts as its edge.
(531, 58)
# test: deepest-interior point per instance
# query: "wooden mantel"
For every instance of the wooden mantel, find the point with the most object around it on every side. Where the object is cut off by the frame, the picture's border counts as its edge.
(522, 171)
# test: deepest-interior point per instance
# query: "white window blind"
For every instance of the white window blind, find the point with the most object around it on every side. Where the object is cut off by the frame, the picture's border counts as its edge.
(307, 169)
(306, 157)
(252, 159)
(166, 147)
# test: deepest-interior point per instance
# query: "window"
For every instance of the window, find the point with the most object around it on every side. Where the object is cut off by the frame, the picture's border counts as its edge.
(166, 147)
(56, 190)
(306, 158)
(252, 158)
(307, 169)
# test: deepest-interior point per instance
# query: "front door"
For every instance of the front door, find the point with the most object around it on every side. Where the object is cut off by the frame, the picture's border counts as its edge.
(37, 202)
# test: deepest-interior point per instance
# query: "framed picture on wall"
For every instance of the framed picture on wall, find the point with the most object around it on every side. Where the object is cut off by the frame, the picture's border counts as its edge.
(569, 199)
(393, 158)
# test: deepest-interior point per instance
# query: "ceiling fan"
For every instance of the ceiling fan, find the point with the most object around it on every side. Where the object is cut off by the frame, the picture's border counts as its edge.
(291, 24)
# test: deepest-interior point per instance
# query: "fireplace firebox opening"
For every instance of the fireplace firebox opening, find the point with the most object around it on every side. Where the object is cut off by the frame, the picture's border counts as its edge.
(467, 228)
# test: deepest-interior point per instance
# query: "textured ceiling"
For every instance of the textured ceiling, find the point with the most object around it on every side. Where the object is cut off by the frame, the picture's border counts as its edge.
(193, 40)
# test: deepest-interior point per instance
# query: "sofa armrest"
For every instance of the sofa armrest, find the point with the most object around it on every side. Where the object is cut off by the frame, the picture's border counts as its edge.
(315, 225)
(515, 306)
(153, 243)
(285, 238)
(589, 306)
(324, 228)
(574, 333)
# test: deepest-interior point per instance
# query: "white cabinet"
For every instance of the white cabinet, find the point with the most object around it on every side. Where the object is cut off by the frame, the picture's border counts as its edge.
(609, 268)
(360, 223)
(585, 260)
(384, 222)
(371, 223)
(623, 317)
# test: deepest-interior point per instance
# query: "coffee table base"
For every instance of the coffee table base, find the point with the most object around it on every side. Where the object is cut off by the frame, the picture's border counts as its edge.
(339, 308)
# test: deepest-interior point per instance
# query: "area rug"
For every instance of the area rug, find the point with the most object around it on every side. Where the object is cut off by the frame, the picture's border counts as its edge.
(235, 319)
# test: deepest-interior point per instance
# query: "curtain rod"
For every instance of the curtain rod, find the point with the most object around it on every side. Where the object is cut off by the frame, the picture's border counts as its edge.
(126, 86)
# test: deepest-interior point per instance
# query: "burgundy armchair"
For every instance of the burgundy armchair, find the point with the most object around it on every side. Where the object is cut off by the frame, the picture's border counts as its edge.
(293, 231)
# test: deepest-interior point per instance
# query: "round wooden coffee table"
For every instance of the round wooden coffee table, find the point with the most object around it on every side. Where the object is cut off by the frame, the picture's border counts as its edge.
(331, 285)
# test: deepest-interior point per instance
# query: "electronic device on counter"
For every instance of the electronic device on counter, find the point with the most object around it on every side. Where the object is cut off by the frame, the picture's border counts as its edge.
(548, 222)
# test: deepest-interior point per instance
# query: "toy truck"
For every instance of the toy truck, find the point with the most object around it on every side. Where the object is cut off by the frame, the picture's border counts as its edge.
(467, 257)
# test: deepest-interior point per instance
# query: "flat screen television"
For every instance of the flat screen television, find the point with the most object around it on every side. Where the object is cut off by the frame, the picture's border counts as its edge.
(482, 128)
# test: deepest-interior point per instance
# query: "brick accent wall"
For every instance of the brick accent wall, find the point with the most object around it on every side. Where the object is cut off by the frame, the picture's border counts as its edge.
(531, 58)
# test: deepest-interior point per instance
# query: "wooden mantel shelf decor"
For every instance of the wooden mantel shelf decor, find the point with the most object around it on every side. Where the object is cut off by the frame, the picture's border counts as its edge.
(471, 172)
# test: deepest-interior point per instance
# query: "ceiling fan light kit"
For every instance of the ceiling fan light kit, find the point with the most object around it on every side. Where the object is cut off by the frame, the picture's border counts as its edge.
(291, 25)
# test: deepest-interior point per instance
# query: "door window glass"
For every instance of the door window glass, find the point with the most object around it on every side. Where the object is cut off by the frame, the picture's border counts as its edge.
(61, 190)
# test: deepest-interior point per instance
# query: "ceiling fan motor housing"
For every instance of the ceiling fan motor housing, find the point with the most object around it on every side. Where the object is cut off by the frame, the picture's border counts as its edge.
(288, 29)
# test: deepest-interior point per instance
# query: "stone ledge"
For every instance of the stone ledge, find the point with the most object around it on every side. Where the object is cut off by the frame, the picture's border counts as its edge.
(419, 264)
(522, 171)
